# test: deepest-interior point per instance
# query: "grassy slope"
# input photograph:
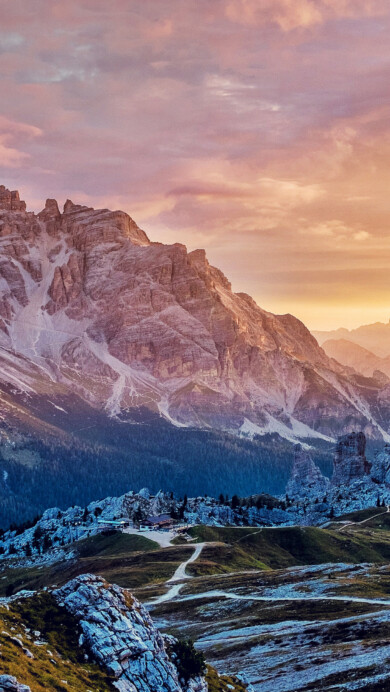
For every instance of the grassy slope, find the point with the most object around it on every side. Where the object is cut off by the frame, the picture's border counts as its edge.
(136, 562)
(114, 544)
(59, 659)
(361, 515)
(284, 547)
(223, 683)
(127, 560)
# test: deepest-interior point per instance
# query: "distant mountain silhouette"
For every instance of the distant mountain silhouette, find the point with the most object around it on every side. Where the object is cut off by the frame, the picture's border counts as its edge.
(374, 337)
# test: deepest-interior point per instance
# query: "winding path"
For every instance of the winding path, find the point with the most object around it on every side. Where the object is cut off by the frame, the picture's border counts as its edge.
(283, 599)
(176, 584)
(178, 577)
(181, 570)
(357, 523)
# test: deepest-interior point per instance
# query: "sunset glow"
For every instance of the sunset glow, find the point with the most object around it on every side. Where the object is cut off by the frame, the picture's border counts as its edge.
(257, 129)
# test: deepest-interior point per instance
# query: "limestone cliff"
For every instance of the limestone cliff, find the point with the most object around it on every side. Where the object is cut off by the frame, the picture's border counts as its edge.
(350, 463)
(119, 634)
(90, 305)
(380, 469)
(306, 480)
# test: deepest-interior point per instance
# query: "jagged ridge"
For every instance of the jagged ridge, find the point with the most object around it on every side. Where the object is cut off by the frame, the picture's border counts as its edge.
(89, 304)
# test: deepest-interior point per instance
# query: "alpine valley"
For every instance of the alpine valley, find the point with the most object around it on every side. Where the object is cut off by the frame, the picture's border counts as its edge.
(285, 594)
(103, 332)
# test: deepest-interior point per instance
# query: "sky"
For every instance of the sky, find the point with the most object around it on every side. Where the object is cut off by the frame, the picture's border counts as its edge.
(256, 129)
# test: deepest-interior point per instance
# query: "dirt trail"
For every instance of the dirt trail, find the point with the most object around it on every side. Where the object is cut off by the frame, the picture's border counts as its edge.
(178, 577)
(357, 523)
(284, 599)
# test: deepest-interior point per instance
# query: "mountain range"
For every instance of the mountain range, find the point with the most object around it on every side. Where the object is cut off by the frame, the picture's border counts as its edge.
(357, 357)
(373, 337)
(92, 311)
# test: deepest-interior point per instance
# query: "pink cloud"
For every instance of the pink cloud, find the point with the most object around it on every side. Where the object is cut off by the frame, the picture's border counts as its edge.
(12, 132)
(256, 128)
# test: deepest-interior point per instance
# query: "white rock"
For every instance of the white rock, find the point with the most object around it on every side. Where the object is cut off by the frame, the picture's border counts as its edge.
(121, 636)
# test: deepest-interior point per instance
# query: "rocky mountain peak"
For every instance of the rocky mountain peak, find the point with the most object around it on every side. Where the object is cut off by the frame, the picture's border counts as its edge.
(69, 206)
(306, 480)
(10, 200)
(128, 322)
(51, 217)
(51, 209)
(350, 461)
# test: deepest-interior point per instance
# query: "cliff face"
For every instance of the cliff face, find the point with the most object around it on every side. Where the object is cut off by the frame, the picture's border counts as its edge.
(90, 305)
(10, 201)
(380, 469)
(356, 483)
(120, 635)
(306, 480)
(92, 636)
(350, 463)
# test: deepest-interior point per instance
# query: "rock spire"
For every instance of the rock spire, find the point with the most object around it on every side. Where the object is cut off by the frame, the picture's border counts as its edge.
(306, 480)
(350, 461)
(10, 200)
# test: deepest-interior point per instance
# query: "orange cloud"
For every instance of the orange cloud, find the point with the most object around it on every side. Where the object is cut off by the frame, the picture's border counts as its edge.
(294, 14)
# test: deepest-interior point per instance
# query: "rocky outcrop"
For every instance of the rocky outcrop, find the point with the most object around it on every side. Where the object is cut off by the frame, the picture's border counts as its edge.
(10, 201)
(51, 217)
(120, 635)
(350, 463)
(356, 483)
(59, 528)
(306, 480)
(8, 683)
(380, 469)
(97, 308)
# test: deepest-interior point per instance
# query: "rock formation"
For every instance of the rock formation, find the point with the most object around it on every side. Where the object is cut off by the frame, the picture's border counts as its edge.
(130, 508)
(120, 635)
(11, 201)
(8, 683)
(355, 484)
(380, 469)
(350, 463)
(89, 305)
(306, 480)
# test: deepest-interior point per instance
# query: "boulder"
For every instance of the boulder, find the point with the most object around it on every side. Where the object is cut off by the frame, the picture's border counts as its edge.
(8, 683)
